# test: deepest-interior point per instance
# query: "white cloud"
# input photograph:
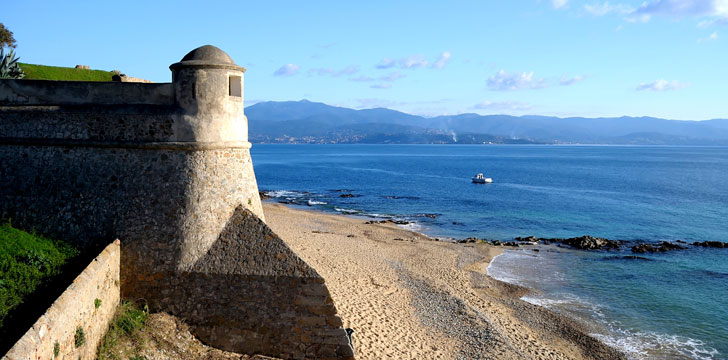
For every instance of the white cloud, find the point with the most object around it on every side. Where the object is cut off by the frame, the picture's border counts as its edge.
(606, 8)
(503, 81)
(638, 18)
(349, 70)
(661, 85)
(682, 8)
(413, 62)
(502, 105)
(287, 70)
(713, 36)
(393, 76)
(381, 86)
(559, 3)
(386, 63)
(442, 60)
(566, 81)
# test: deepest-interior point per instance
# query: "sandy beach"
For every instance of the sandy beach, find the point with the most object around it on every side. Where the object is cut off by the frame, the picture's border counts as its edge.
(408, 296)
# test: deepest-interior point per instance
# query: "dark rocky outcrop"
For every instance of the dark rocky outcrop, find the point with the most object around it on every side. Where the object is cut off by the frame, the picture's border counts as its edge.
(712, 244)
(348, 196)
(627, 257)
(388, 221)
(663, 246)
(587, 242)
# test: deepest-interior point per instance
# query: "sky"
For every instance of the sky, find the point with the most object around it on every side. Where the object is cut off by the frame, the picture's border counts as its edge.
(661, 58)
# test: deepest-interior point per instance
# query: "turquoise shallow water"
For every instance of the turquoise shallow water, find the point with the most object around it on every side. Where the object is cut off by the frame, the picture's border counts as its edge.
(672, 306)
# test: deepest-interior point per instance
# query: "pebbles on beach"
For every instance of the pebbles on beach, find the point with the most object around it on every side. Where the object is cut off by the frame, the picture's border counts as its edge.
(425, 299)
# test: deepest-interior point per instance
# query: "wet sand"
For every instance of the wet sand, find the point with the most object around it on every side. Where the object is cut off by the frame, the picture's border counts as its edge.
(408, 296)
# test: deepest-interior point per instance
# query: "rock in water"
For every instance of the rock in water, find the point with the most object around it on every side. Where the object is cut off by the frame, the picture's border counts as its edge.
(662, 247)
(712, 244)
(587, 242)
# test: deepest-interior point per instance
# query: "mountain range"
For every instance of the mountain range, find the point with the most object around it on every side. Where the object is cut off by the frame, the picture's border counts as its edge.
(311, 122)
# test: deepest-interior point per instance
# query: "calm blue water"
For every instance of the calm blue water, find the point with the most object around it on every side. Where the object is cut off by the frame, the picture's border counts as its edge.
(672, 306)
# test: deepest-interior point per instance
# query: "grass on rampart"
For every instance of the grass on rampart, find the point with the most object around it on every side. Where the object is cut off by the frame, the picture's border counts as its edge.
(126, 326)
(44, 72)
(27, 261)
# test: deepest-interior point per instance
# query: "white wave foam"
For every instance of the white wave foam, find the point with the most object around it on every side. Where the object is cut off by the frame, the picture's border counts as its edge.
(284, 193)
(314, 202)
(347, 211)
(652, 345)
(379, 216)
(413, 226)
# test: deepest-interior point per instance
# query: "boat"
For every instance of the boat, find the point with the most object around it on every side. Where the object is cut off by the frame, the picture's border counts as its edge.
(480, 179)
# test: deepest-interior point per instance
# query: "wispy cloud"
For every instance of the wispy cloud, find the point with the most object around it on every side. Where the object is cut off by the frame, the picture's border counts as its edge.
(566, 81)
(682, 8)
(381, 86)
(287, 70)
(716, 11)
(559, 3)
(349, 70)
(661, 85)
(386, 63)
(503, 81)
(502, 106)
(391, 77)
(605, 8)
(415, 62)
(442, 60)
(713, 36)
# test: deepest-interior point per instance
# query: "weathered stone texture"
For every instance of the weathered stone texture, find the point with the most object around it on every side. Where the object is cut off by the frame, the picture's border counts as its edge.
(43, 92)
(166, 168)
(76, 308)
(250, 293)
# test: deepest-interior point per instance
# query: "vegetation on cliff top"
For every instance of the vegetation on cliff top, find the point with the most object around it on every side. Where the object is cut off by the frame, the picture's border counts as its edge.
(27, 262)
(44, 72)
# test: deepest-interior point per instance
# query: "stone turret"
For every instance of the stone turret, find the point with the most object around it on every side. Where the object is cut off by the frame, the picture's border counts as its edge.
(208, 85)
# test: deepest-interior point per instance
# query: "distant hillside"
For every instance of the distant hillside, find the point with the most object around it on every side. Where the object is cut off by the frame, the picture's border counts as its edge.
(310, 122)
(44, 72)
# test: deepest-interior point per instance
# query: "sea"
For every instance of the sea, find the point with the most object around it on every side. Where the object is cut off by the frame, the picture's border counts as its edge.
(671, 305)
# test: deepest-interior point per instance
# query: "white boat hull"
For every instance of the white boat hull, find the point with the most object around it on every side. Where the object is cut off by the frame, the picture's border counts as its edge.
(483, 181)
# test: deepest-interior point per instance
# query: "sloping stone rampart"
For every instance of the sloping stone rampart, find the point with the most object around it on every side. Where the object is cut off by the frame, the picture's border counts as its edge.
(250, 293)
(74, 309)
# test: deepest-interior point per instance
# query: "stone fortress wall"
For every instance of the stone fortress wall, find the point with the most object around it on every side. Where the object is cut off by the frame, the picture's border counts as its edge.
(166, 168)
(88, 304)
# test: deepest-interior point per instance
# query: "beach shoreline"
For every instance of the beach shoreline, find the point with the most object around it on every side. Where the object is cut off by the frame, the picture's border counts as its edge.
(408, 296)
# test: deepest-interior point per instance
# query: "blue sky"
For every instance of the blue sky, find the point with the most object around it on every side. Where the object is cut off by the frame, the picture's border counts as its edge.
(663, 58)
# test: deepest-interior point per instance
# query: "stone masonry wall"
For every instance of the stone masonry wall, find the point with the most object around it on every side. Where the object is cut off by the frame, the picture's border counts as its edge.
(73, 309)
(166, 168)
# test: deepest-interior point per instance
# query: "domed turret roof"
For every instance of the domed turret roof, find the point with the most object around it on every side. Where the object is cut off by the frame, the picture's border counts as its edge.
(207, 56)
(208, 53)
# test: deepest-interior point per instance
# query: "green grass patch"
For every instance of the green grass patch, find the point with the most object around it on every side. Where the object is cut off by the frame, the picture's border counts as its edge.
(27, 261)
(128, 322)
(44, 72)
